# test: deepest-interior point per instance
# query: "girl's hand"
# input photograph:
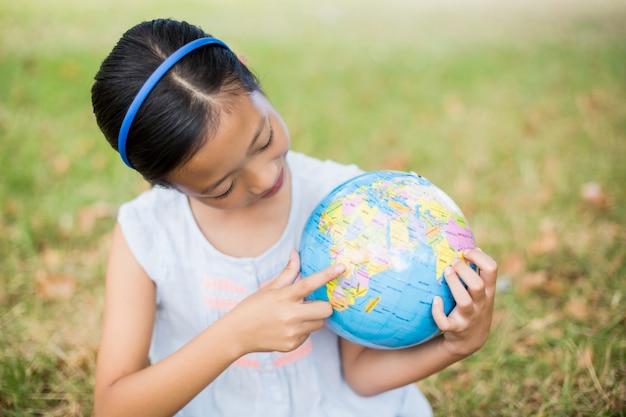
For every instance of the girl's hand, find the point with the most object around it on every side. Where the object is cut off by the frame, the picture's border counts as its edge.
(467, 326)
(276, 317)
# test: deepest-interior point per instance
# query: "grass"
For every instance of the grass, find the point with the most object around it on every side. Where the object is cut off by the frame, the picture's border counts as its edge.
(517, 110)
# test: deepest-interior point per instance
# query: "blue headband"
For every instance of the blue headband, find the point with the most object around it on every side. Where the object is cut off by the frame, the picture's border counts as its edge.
(149, 85)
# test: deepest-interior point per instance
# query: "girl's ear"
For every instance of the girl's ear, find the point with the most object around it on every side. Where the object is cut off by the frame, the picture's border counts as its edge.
(243, 59)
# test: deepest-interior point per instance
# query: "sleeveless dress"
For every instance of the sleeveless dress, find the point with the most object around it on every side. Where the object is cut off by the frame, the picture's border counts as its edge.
(196, 285)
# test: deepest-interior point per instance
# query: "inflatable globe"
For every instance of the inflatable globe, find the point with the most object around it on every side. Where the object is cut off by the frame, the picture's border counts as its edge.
(395, 232)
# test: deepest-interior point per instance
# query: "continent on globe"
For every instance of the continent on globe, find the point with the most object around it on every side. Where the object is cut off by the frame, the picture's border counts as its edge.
(395, 232)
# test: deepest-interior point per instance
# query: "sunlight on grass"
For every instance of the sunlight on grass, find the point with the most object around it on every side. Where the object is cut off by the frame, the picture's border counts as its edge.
(516, 109)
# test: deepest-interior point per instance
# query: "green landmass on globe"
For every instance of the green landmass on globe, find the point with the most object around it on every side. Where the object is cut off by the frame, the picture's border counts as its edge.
(395, 232)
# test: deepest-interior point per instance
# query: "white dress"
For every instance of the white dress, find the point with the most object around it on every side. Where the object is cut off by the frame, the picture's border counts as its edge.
(196, 285)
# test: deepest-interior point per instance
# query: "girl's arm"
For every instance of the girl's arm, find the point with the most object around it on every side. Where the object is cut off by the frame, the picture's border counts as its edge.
(126, 386)
(465, 330)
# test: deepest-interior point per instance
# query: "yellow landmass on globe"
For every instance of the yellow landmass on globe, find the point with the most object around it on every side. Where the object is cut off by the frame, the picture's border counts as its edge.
(399, 232)
(444, 254)
(340, 303)
(441, 248)
(355, 259)
(330, 216)
(437, 211)
(347, 297)
(366, 212)
(368, 254)
(371, 304)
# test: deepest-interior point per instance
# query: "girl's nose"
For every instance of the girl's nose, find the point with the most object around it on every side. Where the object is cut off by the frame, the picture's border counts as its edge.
(263, 176)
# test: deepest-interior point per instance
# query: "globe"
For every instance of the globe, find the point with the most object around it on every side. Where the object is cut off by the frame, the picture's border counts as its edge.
(395, 232)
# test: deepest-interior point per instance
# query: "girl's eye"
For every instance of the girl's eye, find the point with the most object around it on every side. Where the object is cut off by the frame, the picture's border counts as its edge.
(269, 141)
(227, 193)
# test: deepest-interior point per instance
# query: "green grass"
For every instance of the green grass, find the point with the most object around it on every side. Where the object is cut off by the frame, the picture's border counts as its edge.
(511, 109)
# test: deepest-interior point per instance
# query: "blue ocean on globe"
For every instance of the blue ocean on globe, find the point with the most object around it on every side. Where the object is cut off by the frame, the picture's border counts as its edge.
(395, 232)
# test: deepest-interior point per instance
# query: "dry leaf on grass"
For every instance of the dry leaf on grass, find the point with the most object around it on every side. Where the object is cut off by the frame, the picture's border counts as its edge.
(539, 324)
(578, 309)
(61, 164)
(89, 215)
(54, 286)
(397, 161)
(531, 281)
(513, 264)
(594, 195)
(51, 257)
(585, 358)
(547, 241)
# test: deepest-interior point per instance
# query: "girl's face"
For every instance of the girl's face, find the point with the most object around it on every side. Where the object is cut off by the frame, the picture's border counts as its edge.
(244, 162)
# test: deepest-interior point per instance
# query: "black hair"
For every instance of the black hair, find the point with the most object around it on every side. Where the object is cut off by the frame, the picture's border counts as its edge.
(182, 109)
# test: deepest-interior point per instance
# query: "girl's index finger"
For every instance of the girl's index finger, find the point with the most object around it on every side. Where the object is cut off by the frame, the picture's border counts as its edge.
(309, 284)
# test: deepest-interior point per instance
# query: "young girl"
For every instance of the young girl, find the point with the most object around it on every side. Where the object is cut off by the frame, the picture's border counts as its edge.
(204, 313)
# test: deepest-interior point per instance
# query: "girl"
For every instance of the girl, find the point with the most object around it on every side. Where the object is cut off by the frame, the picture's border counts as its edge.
(202, 317)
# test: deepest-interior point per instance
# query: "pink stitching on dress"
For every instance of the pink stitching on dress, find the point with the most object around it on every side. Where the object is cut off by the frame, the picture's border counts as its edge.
(224, 284)
(302, 351)
(220, 303)
(247, 362)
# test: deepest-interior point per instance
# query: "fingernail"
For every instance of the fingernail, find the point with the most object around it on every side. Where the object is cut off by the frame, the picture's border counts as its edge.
(339, 268)
(448, 271)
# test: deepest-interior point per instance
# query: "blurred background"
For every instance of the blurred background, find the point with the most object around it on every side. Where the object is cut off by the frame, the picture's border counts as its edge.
(516, 109)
